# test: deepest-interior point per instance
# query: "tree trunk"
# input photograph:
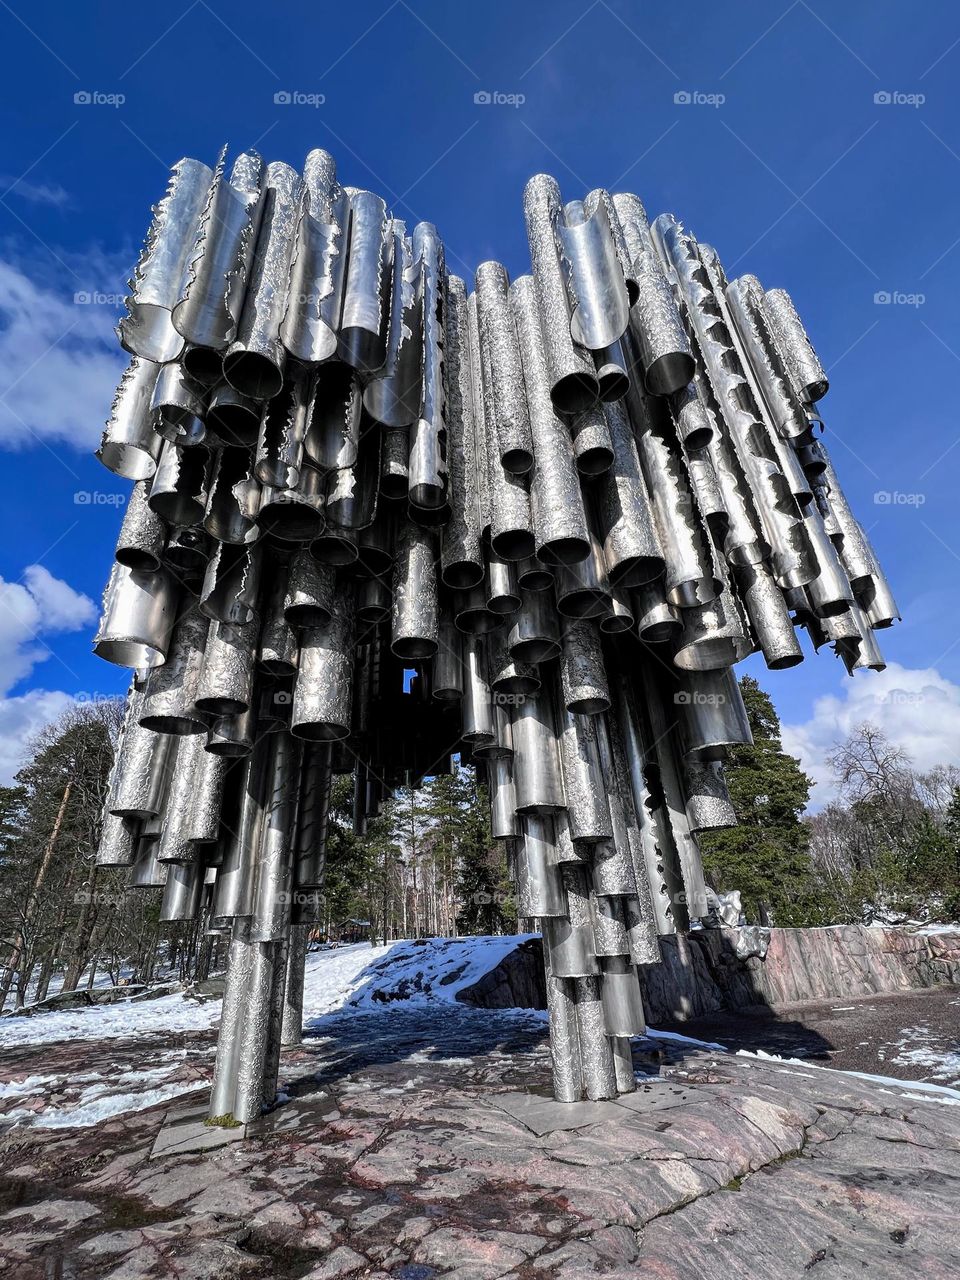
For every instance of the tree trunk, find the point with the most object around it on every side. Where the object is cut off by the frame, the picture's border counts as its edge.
(33, 901)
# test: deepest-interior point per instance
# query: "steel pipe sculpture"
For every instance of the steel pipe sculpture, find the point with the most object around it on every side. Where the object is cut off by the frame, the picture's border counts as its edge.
(569, 504)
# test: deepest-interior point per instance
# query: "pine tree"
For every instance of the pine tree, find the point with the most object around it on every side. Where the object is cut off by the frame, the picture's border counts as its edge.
(766, 856)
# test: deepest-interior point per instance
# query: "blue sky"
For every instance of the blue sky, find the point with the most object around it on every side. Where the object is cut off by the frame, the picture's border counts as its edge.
(785, 161)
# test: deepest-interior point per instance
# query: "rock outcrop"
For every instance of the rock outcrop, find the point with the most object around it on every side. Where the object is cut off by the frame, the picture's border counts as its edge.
(702, 974)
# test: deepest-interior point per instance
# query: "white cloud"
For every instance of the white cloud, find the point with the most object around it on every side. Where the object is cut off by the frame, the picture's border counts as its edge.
(50, 193)
(59, 358)
(40, 604)
(20, 719)
(30, 610)
(918, 710)
(61, 608)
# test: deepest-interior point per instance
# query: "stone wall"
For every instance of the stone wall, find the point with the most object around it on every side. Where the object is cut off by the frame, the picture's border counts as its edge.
(701, 974)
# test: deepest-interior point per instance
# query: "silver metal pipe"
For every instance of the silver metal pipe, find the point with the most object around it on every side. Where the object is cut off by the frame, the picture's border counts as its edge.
(130, 447)
(280, 442)
(178, 492)
(596, 1054)
(142, 534)
(415, 631)
(318, 267)
(795, 347)
(584, 784)
(537, 773)
(365, 319)
(534, 634)
(193, 801)
(232, 419)
(309, 595)
(461, 557)
(582, 671)
(169, 701)
(559, 519)
(573, 381)
(291, 1031)
(323, 692)
(592, 449)
(393, 397)
(508, 676)
(223, 1092)
(178, 406)
(231, 584)
(477, 718)
(539, 887)
(138, 614)
(613, 372)
(598, 294)
(428, 463)
(254, 362)
(182, 891)
(310, 842)
(504, 823)
(147, 328)
(503, 389)
(631, 546)
(225, 686)
(214, 282)
(711, 714)
(503, 593)
(118, 841)
(583, 589)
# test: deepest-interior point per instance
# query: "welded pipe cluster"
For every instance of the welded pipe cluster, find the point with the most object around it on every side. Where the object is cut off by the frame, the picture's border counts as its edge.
(380, 519)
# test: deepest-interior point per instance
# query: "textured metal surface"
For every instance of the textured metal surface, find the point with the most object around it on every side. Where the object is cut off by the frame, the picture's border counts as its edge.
(502, 373)
(129, 446)
(364, 322)
(573, 381)
(572, 504)
(254, 363)
(318, 266)
(142, 535)
(215, 277)
(323, 692)
(559, 519)
(582, 670)
(415, 613)
(147, 328)
(225, 686)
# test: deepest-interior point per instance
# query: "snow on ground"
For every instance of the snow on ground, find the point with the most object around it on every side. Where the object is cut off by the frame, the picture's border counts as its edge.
(413, 976)
(930, 1052)
(110, 1021)
(429, 969)
(90, 1098)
